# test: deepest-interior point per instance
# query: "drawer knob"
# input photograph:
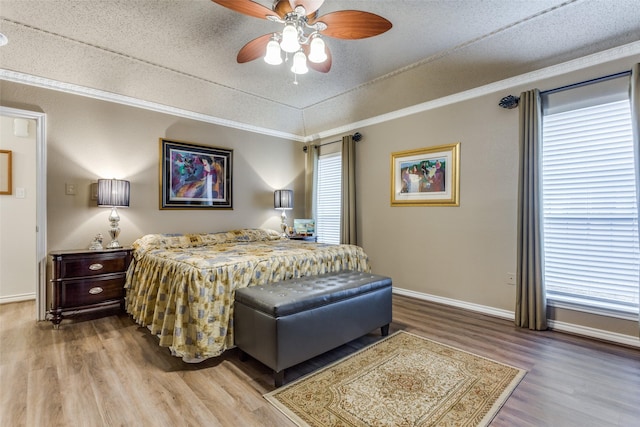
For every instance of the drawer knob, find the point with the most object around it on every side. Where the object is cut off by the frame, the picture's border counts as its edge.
(95, 267)
(95, 291)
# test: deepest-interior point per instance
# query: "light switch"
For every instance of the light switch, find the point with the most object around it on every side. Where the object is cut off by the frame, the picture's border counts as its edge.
(70, 189)
(20, 193)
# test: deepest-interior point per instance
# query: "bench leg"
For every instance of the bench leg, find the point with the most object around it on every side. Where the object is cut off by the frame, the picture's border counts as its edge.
(384, 330)
(278, 378)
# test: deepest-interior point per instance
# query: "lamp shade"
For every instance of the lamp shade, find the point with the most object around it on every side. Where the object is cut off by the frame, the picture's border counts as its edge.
(317, 52)
(113, 192)
(283, 199)
(299, 63)
(289, 41)
(273, 56)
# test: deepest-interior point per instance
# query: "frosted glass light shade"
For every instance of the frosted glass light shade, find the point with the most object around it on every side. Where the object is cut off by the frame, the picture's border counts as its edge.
(273, 56)
(289, 41)
(317, 52)
(299, 63)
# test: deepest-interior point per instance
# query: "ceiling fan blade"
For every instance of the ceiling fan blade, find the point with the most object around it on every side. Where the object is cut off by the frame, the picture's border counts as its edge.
(322, 67)
(254, 49)
(353, 24)
(310, 6)
(282, 8)
(247, 7)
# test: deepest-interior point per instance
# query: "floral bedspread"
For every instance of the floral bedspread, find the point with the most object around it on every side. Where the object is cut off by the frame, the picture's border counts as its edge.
(182, 287)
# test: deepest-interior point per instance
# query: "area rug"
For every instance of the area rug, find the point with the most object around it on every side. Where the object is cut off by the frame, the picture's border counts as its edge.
(402, 380)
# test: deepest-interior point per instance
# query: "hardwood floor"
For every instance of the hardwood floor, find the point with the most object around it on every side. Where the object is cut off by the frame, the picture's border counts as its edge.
(105, 370)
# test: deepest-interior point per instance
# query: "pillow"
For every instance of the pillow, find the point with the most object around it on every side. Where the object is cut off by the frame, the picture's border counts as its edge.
(169, 241)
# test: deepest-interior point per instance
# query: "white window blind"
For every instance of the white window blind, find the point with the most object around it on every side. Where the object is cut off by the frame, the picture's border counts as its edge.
(590, 215)
(329, 192)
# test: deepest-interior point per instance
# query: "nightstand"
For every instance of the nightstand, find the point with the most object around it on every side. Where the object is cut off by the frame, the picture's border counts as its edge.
(86, 280)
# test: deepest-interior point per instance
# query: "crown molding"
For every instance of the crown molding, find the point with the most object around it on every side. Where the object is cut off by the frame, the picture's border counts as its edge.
(613, 54)
(42, 82)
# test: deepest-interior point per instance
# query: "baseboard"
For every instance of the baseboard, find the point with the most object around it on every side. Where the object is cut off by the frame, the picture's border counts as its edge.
(17, 298)
(570, 328)
(491, 311)
(599, 334)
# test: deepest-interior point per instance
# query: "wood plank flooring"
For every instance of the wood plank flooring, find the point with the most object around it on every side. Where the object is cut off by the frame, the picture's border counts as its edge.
(99, 370)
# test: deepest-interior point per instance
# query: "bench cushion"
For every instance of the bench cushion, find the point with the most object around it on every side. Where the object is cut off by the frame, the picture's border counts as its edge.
(304, 293)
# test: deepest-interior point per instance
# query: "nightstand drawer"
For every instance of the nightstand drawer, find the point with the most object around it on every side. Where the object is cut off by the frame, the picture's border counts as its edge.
(93, 265)
(79, 292)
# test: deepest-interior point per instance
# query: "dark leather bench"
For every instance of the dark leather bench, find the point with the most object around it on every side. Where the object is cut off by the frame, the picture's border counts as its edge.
(288, 322)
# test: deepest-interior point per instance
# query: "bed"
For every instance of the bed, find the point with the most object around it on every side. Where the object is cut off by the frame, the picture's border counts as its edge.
(182, 287)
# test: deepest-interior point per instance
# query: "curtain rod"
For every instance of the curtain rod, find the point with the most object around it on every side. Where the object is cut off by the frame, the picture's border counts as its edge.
(512, 101)
(316, 146)
(586, 82)
(327, 143)
(356, 137)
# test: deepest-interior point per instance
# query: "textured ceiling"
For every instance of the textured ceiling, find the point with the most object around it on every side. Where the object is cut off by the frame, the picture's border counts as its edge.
(182, 53)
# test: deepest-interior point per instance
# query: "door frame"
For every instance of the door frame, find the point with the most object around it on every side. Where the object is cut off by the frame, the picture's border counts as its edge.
(41, 201)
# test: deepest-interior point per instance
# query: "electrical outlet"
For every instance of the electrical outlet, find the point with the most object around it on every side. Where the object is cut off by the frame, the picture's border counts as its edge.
(511, 279)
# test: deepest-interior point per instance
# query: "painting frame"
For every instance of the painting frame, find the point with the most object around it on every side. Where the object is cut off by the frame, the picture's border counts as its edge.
(6, 173)
(304, 227)
(194, 176)
(426, 176)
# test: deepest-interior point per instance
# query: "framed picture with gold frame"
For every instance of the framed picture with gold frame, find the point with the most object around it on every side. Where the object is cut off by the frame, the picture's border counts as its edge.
(194, 176)
(6, 184)
(426, 176)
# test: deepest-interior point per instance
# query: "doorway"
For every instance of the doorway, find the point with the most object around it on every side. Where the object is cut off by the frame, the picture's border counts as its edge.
(28, 198)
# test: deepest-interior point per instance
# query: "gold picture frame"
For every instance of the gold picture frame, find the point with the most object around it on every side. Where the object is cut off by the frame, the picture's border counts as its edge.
(426, 176)
(6, 184)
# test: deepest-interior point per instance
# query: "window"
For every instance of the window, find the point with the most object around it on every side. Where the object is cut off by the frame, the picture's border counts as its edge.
(329, 192)
(590, 214)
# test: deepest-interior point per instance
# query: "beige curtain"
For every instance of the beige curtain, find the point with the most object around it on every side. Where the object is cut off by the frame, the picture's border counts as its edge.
(635, 123)
(348, 214)
(310, 180)
(531, 304)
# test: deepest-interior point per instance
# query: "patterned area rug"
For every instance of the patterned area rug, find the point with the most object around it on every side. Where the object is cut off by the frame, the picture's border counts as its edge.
(402, 380)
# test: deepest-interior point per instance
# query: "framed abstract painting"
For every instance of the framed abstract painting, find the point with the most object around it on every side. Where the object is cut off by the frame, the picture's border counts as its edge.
(426, 176)
(195, 176)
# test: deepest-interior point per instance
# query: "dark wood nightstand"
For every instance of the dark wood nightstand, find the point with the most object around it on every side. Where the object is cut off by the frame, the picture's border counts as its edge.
(86, 279)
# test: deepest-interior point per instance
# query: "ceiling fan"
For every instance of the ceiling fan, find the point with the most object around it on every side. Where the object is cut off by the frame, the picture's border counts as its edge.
(303, 31)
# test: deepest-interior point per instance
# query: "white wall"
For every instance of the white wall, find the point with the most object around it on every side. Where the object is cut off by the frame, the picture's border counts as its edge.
(18, 272)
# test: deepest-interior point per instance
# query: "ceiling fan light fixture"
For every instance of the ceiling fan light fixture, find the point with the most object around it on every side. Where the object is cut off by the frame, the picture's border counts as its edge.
(302, 32)
(299, 63)
(273, 56)
(317, 51)
(289, 41)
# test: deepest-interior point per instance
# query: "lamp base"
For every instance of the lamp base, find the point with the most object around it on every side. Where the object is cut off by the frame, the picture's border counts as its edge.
(114, 244)
(283, 224)
(114, 231)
